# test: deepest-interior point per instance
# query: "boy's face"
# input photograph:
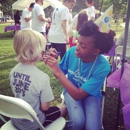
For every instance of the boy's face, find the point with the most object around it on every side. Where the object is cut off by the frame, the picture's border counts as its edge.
(86, 2)
(85, 47)
(70, 5)
(40, 56)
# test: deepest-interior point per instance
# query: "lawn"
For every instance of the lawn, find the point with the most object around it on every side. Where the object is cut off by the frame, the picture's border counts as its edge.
(7, 62)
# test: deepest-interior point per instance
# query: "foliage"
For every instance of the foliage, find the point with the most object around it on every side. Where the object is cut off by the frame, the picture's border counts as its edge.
(7, 6)
(119, 6)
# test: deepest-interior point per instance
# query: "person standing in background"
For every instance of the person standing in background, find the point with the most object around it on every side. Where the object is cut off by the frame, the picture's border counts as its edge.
(82, 17)
(26, 17)
(58, 34)
(75, 19)
(39, 20)
(90, 9)
(17, 18)
(120, 40)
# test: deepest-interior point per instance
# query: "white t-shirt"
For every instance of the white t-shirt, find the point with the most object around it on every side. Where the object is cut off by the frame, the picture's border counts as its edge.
(56, 34)
(69, 21)
(25, 25)
(38, 25)
(32, 85)
(74, 21)
(90, 12)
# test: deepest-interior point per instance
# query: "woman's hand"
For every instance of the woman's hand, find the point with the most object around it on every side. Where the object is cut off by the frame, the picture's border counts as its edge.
(53, 52)
(52, 63)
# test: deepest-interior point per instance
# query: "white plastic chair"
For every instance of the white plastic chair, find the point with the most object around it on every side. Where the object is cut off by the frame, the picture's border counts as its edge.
(103, 101)
(17, 108)
(119, 50)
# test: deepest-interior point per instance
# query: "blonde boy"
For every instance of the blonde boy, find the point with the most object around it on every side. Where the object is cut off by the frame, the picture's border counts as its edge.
(31, 84)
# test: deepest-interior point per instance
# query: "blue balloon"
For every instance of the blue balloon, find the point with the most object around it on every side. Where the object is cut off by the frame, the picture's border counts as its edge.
(106, 19)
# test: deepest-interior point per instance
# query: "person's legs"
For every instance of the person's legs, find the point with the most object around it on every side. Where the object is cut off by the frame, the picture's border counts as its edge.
(92, 108)
(63, 110)
(60, 48)
(51, 115)
(76, 113)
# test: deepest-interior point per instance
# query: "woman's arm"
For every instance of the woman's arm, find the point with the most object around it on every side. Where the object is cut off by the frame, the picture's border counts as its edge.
(42, 18)
(93, 13)
(76, 93)
(64, 28)
(28, 19)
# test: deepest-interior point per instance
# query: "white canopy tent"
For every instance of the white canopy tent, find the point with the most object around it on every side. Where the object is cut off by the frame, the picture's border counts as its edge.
(22, 4)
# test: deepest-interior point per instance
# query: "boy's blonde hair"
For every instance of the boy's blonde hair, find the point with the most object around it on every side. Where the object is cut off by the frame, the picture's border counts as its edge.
(28, 45)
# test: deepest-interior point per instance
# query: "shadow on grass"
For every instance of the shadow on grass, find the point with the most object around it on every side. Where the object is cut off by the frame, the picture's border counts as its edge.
(5, 65)
(6, 35)
(5, 57)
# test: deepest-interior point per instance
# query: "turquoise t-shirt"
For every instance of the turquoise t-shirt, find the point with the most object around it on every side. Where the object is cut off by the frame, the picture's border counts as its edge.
(70, 66)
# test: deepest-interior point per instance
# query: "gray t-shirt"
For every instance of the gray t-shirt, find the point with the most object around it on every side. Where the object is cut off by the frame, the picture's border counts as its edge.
(32, 85)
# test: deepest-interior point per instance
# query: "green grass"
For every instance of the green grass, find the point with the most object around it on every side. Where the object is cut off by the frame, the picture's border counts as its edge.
(7, 62)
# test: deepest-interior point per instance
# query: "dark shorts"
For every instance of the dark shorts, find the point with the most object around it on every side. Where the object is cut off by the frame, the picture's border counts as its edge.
(51, 114)
(60, 47)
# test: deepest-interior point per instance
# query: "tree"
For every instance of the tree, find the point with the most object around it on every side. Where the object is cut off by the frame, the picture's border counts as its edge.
(7, 6)
(119, 6)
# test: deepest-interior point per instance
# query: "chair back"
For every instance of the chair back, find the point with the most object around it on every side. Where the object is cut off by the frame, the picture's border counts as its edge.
(17, 108)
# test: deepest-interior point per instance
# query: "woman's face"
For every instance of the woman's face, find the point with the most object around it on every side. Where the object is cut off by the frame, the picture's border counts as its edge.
(70, 5)
(85, 48)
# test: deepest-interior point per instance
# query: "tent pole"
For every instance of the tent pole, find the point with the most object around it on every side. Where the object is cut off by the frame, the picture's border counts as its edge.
(123, 58)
